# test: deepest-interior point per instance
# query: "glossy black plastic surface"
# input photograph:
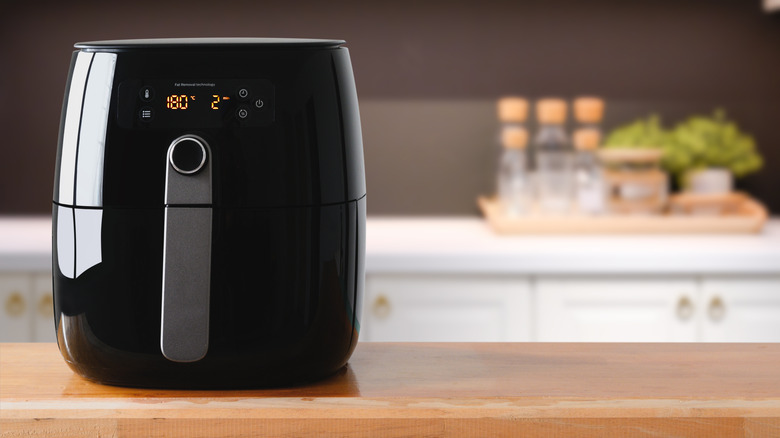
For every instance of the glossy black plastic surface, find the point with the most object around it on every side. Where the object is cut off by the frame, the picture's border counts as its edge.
(311, 154)
(283, 299)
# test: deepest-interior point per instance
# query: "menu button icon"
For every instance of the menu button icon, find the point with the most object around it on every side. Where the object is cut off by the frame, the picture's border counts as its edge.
(145, 114)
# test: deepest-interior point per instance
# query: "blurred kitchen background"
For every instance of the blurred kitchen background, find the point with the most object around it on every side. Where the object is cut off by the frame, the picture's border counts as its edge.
(429, 74)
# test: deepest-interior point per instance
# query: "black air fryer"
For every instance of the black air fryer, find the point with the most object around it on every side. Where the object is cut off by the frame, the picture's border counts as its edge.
(209, 212)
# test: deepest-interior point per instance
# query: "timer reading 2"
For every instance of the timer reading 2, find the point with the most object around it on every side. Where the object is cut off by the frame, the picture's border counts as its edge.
(182, 101)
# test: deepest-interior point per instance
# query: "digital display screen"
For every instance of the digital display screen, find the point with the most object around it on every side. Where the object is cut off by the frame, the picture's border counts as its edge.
(182, 101)
(191, 96)
(196, 103)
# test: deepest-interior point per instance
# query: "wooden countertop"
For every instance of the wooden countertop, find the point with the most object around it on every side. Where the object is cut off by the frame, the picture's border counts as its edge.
(441, 389)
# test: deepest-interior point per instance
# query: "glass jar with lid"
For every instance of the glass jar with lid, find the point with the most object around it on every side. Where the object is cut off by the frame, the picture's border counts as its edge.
(634, 180)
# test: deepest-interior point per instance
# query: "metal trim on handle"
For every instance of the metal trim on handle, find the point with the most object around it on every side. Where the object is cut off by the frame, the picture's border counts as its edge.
(197, 140)
(188, 189)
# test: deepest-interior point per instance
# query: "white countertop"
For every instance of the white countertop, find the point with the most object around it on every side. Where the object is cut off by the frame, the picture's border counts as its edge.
(466, 244)
(25, 243)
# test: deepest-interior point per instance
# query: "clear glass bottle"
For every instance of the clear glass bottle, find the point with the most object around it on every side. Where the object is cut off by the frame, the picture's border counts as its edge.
(512, 113)
(589, 178)
(554, 158)
(515, 190)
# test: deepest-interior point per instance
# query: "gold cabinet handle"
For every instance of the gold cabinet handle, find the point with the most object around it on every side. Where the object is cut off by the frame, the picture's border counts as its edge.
(684, 308)
(15, 305)
(381, 307)
(46, 306)
(717, 309)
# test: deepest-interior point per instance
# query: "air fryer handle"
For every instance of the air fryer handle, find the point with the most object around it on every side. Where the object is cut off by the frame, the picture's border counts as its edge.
(184, 326)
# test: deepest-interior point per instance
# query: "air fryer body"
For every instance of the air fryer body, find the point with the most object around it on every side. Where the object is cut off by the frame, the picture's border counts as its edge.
(247, 271)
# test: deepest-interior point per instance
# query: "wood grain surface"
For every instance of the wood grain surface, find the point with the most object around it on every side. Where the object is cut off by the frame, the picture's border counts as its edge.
(749, 218)
(426, 389)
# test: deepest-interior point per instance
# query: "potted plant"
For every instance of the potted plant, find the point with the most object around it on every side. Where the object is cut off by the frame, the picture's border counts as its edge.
(704, 153)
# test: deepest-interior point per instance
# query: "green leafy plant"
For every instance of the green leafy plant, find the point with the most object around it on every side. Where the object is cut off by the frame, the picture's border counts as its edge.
(647, 133)
(697, 143)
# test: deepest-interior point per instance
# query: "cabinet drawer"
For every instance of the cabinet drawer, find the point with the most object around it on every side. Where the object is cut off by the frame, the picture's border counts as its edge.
(429, 308)
(586, 309)
(741, 309)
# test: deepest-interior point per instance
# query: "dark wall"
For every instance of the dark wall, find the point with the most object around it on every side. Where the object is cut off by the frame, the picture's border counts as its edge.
(647, 55)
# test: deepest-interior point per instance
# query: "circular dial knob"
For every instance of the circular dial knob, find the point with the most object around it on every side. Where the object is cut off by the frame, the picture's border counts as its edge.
(187, 155)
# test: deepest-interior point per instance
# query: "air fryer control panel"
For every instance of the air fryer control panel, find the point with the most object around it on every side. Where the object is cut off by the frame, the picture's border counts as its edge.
(195, 103)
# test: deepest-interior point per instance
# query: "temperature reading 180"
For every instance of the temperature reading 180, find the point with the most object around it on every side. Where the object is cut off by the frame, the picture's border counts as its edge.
(178, 101)
(185, 101)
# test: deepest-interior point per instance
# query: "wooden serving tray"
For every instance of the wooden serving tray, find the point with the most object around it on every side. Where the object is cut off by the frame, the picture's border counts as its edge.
(748, 218)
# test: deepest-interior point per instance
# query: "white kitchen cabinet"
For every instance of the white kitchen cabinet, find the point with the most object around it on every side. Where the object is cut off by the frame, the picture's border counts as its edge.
(740, 309)
(636, 309)
(441, 308)
(15, 299)
(622, 309)
(26, 314)
(43, 314)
